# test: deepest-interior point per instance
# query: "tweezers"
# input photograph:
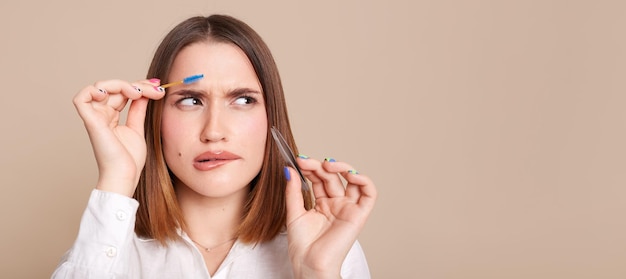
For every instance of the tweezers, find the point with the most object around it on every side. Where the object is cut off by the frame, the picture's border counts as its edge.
(288, 155)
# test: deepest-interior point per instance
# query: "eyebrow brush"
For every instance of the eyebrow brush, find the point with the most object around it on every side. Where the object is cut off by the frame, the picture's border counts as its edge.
(187, 80)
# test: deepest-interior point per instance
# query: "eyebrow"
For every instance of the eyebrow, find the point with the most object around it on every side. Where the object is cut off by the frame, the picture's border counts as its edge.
(192, 92)
(242, 90)
(196, 92)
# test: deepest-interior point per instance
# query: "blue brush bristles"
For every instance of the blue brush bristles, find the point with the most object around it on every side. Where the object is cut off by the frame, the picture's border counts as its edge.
(193, 78)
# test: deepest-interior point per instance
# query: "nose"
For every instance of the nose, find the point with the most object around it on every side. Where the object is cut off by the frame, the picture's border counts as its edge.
(214, 128)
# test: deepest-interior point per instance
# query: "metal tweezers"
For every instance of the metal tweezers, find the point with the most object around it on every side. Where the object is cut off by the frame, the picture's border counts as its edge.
(288, 155)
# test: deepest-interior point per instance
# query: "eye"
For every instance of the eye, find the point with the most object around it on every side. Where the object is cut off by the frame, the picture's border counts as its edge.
(245, 100)
(189, 102)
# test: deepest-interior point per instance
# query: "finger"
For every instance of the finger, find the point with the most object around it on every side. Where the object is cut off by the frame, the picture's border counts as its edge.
(121, 87)
(293, 195)
(317, 184)
(119, 92)
(154, 81)
(101, 103)
(89, 94)
(352, 190)
(133, 90)
(150, 88)
(92, 106)
(137, 115)
(358, 184)
(360, 188)
(331, 165)
(331, 184)
(342, 168)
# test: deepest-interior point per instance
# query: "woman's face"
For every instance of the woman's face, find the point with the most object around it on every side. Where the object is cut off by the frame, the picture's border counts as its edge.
(214, 130)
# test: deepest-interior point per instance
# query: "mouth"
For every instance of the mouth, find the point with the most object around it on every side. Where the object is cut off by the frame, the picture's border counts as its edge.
(212, 159)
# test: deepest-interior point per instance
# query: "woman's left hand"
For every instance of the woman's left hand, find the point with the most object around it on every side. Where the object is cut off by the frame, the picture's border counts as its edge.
(320, 238)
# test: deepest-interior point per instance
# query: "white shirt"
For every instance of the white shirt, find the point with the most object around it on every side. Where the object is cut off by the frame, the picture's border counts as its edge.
(107, 247)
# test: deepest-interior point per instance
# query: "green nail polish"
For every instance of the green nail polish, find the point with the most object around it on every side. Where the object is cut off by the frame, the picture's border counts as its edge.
(329, 159)
(301, 156)
(353, 172)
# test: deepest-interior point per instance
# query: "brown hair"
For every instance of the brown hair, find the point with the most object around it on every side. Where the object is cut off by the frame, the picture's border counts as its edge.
(159, 216)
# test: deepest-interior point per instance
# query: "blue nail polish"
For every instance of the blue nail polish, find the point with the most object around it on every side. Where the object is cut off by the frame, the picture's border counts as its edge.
(329, 160)
(287, 173)
(353, 172)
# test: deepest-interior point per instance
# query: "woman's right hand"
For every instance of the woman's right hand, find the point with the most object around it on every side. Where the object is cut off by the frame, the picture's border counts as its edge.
(120, 149)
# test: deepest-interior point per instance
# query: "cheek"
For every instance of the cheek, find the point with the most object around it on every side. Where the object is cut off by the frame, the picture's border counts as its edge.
(171, 134)
(257, 133)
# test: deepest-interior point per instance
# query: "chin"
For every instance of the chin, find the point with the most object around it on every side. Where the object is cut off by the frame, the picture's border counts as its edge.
(219, 186)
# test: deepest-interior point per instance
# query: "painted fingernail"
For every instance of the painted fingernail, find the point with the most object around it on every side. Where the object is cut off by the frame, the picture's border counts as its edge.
(154, 80)
(302, 156)
(137, 88)
(329, 159)
(102, 91)
(287, 174)
(159, 88)
(353, 172)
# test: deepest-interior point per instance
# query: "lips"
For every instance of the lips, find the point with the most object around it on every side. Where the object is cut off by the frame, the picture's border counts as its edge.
(212, 159)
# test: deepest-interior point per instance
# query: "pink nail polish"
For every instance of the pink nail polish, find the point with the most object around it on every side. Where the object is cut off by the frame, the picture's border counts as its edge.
(154, 80)
(137, 88)
(159, 88)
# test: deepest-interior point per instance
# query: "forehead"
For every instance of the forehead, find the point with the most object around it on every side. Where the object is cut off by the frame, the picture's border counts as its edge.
(216, 60)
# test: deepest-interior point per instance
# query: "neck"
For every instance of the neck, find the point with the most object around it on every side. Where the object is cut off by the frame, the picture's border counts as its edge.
(211, 220)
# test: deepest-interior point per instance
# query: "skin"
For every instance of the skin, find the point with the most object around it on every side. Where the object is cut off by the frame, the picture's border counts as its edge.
(223, 112)
(218, 119)
(319, 239)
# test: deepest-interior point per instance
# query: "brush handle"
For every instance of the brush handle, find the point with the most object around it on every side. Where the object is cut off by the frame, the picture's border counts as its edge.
(187, 80)
(172, 84)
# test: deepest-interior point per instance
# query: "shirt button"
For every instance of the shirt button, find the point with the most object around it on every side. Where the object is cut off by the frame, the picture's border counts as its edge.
(110, 251)
(121, 215)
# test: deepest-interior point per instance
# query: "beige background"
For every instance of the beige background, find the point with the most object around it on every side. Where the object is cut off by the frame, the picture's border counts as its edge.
(493, 129)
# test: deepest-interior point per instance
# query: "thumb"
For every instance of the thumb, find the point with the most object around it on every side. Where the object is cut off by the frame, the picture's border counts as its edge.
(137, 114)
(293, 195)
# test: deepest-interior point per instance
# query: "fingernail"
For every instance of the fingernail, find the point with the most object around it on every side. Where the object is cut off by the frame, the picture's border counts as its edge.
(159, 88)
(353, 172)
(302, 156)
(102, 91)
(137, 88)
(329, 159)
(154, 80)
(287, 174)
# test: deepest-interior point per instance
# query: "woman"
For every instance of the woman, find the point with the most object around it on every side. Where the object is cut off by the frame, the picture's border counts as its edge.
(197, 167)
